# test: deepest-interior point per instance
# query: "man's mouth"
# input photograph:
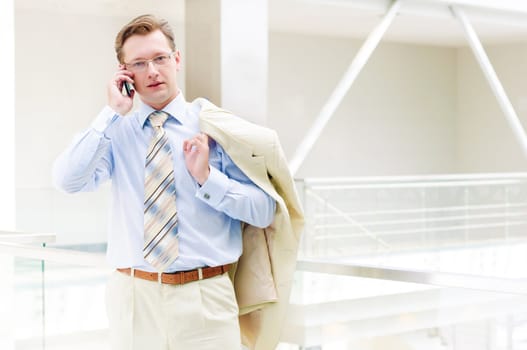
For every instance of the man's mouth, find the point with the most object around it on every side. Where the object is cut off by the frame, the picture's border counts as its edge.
(157, 83)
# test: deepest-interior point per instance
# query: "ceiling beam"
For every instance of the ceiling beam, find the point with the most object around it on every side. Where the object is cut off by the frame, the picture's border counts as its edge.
(492, 79)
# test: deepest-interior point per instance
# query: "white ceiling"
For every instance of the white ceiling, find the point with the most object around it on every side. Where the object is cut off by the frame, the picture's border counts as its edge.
(419, 21)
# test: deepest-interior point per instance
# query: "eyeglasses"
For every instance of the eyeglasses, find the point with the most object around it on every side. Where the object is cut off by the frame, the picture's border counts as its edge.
(142, 65)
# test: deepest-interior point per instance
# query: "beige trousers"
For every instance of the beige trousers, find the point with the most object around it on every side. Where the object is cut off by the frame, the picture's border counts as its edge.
(146, 315)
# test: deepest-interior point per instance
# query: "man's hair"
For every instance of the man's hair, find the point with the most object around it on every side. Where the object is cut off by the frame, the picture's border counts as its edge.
(143, 25)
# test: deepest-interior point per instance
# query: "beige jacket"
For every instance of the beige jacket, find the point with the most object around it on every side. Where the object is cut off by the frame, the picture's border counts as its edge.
(264, 273)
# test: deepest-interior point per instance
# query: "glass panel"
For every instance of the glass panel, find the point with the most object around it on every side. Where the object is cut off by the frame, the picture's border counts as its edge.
(344, 312)
(7, 305)
(75, 315)
(29, 303)
(52, 306)
(75, 303)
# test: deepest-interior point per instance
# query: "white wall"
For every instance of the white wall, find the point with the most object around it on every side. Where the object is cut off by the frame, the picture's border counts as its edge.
(7, 117)
(398, 117)
(485, 140)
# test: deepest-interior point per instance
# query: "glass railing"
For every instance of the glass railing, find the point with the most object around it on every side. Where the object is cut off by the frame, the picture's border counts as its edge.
(59, 306)
(382, 215)
(347, 312)
(384, 263)
(55, 295)
(455, 243)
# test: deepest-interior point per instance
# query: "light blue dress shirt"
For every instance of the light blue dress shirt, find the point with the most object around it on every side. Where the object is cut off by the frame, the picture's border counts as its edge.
(209, 216)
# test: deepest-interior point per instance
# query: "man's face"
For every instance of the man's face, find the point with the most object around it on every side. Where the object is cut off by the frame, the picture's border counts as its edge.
(156, 84)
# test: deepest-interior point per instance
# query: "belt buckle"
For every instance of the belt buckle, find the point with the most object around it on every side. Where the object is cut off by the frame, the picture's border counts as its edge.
(200, 274)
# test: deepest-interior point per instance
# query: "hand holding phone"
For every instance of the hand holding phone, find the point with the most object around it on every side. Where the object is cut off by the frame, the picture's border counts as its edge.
(121, 91)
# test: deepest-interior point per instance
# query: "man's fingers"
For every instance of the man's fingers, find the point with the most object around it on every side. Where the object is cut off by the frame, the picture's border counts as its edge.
(200, 142)
(120, 79)
(188, 145)
(191, 145)
(121, 76)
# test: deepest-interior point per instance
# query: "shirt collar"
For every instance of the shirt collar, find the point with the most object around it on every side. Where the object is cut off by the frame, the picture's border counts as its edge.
(176, 109)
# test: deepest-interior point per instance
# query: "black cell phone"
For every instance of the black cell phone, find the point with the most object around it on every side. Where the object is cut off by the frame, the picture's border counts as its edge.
(128, 87)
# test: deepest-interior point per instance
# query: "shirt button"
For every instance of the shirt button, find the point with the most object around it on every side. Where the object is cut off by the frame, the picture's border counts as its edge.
(206, 196)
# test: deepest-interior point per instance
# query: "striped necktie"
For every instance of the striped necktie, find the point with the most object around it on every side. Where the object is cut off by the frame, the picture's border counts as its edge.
(161, 222)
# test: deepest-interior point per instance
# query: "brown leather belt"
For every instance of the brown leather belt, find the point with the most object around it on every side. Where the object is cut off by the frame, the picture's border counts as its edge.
(180, 277)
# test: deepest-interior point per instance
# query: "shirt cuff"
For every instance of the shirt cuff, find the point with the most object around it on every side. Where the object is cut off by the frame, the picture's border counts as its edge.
(104, 119)
(214, 189)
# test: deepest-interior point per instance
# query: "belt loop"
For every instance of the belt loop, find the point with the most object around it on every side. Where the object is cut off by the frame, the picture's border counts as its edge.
(132, 272)
(159, 277)
(200, 273)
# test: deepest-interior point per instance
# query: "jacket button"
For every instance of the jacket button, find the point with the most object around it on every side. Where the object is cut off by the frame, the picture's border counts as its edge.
(206, 196)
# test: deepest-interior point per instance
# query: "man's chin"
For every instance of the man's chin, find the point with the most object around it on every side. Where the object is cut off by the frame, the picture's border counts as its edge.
(157, 101)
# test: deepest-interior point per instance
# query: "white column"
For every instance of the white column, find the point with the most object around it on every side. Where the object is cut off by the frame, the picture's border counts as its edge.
(201, 58)
(7, 175)
(244, 59)
(226, 49)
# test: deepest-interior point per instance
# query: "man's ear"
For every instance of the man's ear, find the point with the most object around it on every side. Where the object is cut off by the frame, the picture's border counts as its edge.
(177, 58)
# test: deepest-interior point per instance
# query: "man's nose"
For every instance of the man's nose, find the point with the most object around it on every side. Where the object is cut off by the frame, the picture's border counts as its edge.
(152, 68)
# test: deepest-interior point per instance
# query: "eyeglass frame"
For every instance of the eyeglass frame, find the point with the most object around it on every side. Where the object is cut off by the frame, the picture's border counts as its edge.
(146, 62)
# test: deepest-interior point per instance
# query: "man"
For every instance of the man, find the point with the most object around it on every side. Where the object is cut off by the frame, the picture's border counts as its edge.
(178, 201)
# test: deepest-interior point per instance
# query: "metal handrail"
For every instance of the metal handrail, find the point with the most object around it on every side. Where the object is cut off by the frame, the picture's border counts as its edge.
(424, 230)
(415, 178)
(64, 256)
(436, 278)
(26, 237)
(423, 220)
(427, 210)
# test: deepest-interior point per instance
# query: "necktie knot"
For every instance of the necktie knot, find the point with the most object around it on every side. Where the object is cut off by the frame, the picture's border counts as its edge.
(158, 118)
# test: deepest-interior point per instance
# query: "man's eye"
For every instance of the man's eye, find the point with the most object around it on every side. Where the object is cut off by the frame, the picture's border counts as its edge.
(138, 64)
(160, 59)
